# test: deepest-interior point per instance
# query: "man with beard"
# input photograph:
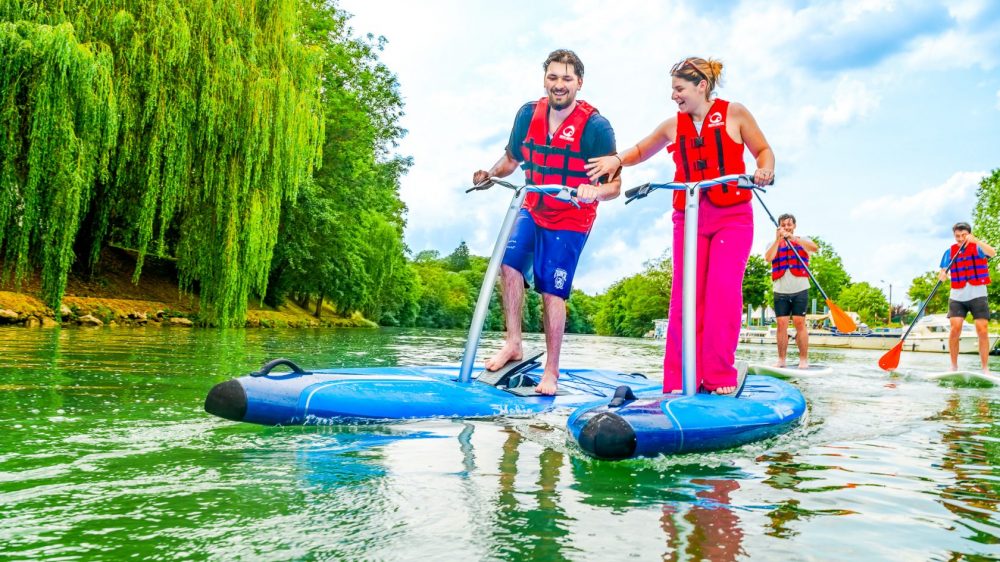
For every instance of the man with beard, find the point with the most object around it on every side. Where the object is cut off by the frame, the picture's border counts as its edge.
(552, 140)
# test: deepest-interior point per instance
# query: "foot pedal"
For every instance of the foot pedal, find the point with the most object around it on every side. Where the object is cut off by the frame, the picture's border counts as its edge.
(501, 376)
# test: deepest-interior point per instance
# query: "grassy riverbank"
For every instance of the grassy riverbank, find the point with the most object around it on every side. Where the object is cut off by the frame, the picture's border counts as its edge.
(109, 298)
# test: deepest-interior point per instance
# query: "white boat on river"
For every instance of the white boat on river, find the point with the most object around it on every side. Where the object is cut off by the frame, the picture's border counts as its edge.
(929, 334)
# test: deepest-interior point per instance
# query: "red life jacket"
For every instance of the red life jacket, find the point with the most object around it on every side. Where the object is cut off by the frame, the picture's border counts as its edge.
(707, 155)
(785, 259)
(968, 267)
(560, 162)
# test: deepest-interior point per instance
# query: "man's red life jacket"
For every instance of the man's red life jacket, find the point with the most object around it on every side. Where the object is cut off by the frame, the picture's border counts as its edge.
(969, 267)
(708, 155)
(560, 162)
(785, 259)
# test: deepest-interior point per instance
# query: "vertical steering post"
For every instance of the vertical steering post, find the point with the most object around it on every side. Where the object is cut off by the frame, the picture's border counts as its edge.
(489, 281)
(689, 313)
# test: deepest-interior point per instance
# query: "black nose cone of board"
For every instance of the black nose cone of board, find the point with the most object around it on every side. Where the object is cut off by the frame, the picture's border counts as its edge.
(608, 436)
(227, 400)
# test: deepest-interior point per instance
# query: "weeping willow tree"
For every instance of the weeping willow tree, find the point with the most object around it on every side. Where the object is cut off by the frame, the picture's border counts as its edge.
(215, 120)
(58, 122)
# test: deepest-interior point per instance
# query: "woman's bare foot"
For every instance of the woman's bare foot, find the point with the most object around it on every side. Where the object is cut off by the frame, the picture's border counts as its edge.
(803, 365)
(724, 390)
(509, 352)
(780, 364)
(548, 385)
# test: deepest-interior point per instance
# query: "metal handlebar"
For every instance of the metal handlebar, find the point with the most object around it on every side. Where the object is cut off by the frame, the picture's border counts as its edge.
(744, 181)
(559, 192)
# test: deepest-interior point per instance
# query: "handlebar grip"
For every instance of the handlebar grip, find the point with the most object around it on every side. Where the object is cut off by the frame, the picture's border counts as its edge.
(630, 193)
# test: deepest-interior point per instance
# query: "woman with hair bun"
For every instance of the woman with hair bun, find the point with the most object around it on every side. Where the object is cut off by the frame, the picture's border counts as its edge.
(706, 139)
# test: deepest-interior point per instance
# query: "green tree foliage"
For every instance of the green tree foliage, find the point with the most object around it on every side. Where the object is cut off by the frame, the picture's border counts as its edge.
(757, 285)
(630, 305)
(922, 286)
(217, 113)
(581, 312)
(868, 301)
(58, 125)
(828, 268)
(342, 237)
(986, 222)
(446, 299)
(459, 259)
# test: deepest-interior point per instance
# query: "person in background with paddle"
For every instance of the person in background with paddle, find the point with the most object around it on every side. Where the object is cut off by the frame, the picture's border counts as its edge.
(706, 140)
(791, 286)
(969, 277)
(549, 235)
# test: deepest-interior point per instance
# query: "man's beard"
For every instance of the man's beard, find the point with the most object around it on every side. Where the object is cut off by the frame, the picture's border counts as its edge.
(559, 106)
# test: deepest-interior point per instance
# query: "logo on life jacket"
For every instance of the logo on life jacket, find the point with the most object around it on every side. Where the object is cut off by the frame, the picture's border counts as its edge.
(568, 133)
(715, 119)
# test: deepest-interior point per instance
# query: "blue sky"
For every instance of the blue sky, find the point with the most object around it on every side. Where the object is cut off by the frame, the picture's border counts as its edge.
(883, 115)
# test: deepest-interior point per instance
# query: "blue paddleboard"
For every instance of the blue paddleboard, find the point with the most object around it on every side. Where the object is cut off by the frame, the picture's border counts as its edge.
(654, 424)
(370, 394)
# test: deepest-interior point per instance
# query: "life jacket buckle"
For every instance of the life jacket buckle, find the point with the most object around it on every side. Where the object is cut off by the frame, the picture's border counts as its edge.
(697, 142)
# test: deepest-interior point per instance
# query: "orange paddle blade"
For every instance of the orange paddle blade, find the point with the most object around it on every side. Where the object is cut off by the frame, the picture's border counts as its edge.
(840, 318)
(890, 360)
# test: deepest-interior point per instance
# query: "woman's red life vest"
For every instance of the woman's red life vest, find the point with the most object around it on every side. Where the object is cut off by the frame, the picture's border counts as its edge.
(785, 259)
(559, 161)
(969, 267)
(706, 155)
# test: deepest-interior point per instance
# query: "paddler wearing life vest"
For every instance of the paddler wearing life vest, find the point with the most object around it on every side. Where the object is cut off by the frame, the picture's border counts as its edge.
(969, 277)
(791, 286)
(552, 139)
(706, 139)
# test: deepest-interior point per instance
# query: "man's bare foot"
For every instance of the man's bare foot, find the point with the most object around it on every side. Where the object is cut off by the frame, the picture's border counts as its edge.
(548, 385)
(954, 367)
(780, 364)
(803, 365)
(724, 390)
(509, 352)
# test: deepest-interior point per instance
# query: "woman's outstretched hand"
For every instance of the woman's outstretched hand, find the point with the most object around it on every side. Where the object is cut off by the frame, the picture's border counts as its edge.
(602, 166)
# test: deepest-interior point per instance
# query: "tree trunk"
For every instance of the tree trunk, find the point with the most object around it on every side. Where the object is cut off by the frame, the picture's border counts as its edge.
(319, 306)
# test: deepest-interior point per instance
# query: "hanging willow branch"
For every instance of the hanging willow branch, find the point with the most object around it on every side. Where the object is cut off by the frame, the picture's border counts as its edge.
(218, 121)
(58, 120)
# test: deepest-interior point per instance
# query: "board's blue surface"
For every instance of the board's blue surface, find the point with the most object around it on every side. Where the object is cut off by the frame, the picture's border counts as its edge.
(656, 424)
(398, 393)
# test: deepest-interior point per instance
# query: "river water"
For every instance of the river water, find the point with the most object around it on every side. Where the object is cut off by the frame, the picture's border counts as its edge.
(106, 453)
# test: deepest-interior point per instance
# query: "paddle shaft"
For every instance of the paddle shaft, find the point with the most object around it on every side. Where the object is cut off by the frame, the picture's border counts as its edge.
(929, 297)
(486, 290)
(792, 248)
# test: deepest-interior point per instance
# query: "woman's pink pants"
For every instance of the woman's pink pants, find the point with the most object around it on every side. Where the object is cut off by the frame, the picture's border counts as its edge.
(725, 235)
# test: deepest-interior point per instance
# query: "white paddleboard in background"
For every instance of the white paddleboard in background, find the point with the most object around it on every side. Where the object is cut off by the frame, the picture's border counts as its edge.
(814, 370)
(966, 378)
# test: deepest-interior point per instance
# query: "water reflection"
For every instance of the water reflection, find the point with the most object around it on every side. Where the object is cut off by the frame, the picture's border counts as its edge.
(107, 453)
(972, 437)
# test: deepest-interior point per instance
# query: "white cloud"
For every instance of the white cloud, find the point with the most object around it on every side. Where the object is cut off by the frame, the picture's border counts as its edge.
(927, 211)
(906, 235)
(820, 100)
